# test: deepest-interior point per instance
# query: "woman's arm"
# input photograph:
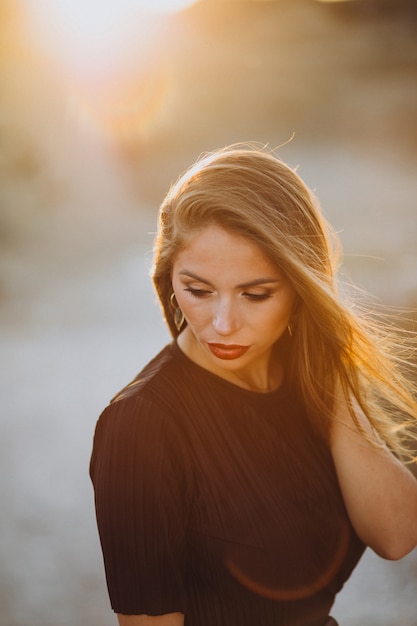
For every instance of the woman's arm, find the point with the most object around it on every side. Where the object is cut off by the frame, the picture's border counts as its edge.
(380, 494)
(170, 619)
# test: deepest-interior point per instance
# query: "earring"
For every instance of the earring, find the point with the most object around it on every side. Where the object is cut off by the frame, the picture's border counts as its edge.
(289, 330)
(178, 314)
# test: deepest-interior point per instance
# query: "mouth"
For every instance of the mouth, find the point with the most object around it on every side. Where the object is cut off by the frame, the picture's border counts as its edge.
(227, 352)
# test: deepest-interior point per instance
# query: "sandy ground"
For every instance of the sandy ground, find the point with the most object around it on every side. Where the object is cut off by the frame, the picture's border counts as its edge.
(77, 325)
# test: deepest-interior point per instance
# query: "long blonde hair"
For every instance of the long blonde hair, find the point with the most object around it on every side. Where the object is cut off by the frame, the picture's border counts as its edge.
(252, 192)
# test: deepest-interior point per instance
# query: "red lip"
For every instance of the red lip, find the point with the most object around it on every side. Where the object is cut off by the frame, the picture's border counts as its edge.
(227, 352)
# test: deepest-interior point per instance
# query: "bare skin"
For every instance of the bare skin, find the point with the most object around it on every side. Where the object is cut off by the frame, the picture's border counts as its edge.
(237, 304)
(380, 493)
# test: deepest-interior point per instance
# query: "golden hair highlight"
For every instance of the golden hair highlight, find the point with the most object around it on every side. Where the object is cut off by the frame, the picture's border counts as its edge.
(333, 349)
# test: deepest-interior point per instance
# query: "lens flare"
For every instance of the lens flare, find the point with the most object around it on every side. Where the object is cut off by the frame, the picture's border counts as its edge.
(245, 575)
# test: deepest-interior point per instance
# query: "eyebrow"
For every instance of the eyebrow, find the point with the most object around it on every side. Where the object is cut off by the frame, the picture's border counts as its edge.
(251, 283)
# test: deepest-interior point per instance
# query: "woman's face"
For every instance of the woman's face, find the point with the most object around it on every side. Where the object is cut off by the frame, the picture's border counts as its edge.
(237, 303)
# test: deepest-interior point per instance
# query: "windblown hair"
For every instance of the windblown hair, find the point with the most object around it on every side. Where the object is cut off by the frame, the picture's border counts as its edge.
(333, 349)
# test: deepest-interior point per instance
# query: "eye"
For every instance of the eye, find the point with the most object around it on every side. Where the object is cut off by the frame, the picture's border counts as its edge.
(257, 297)
(198, 293)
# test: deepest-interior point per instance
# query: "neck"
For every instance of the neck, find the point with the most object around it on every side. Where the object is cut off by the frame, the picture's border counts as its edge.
(265, 377)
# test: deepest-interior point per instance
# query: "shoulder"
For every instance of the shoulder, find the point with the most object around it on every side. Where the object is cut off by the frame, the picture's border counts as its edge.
(157, 382)
(138, 430)
(149, 408)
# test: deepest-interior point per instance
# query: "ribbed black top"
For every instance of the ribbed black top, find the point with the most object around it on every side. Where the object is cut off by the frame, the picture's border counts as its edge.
(218, 502)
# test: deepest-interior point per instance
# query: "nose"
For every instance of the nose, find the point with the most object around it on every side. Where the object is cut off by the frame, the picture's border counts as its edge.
(225, 319)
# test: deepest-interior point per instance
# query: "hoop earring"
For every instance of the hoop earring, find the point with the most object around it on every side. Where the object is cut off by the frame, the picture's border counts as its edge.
(178, 314)
(289, 330)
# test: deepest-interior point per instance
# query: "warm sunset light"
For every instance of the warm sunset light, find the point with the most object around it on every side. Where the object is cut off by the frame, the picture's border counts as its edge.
(111, 55)
(96, 33)
(165, 6)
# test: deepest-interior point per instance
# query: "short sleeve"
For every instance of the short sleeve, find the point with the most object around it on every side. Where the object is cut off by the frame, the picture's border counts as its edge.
(141, 487)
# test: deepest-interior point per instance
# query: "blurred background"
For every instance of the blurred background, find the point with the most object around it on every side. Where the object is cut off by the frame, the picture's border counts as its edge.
(102, 105)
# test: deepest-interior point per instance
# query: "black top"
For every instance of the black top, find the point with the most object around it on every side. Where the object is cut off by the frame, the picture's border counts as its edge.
(218, 502)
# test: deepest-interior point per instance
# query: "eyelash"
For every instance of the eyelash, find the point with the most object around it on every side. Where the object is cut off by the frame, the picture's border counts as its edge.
(255, 297)
(197, 293)
(252, 297)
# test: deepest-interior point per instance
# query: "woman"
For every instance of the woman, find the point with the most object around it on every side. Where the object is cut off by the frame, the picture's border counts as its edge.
(240, 476)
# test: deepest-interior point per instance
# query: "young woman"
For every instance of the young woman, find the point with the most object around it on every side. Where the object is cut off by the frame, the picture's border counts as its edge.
(240, 476)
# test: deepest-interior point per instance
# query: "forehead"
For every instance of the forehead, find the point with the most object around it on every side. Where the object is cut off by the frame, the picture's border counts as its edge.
(222, 250)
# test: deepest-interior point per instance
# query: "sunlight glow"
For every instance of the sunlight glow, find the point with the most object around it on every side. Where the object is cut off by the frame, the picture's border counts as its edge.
(99, 32)
(165, 6)
(112, 56)
(120, 110)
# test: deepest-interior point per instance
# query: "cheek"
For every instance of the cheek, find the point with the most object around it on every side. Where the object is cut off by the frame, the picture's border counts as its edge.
(193, 310)
(289, 303)
(281, 316)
